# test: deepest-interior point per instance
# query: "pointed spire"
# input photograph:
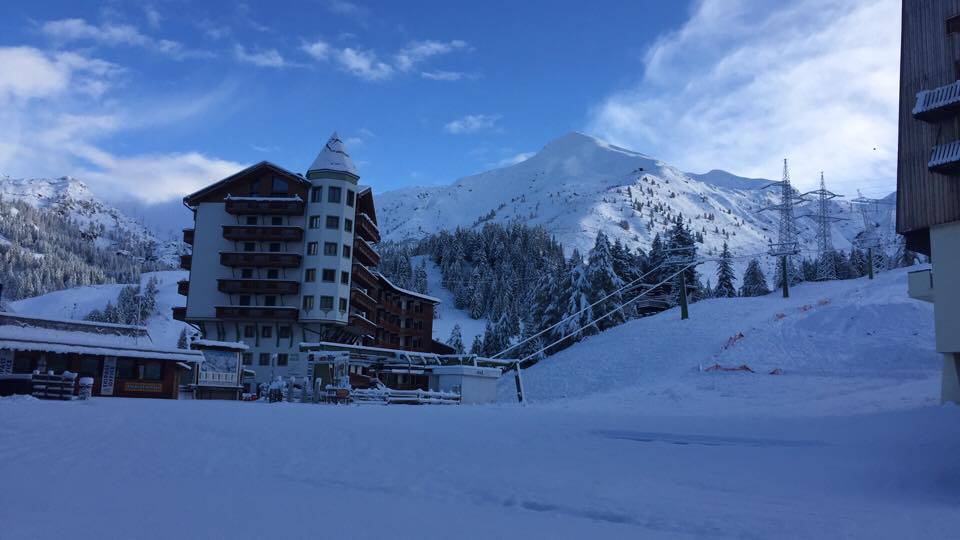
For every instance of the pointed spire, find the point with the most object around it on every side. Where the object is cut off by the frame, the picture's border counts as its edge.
(333, 157)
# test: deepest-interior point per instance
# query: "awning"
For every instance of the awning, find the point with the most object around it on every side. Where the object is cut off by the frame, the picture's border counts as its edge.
(174, 355)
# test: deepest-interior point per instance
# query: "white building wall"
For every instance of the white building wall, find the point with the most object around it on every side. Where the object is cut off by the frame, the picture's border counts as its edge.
(205, 268)
(945, 256)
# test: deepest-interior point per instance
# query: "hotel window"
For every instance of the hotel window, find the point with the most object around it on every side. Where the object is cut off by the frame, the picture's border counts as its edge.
(245, 300)
(329, 248)
(350, 196)
(333, 195)
(346, 251)
(307, 303)
(247, 359)
(283, 332)
(314, 222)
(264, 359)
(311, 248)
(273, 273)
(345, 278)
(953, 25)
(270, 300)
(343, 304)
(246, 273)
(275, 247)
(89, 365)
(255, 188)
(249, 331)
(316, 194)
(329, 275)
(276, 220)
(333, 222)
(282, 359)
(326, 303)
(348, 225)
(251, 220)
(266, 331)
(125, 369)
(311, 275)
(249, 246)
(278, 187)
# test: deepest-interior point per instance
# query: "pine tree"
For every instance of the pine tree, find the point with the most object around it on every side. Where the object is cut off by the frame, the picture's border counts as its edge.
(725, 288)
(456, 340)
(603, 281)
(477, 347)
(754, 282)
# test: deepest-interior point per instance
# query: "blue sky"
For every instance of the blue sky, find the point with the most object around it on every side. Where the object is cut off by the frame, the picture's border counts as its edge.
(152, 100)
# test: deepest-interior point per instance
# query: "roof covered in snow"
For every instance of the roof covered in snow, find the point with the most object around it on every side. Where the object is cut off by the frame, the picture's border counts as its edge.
(401, 290)
(333, 157)
(23, 333)
(211, 344)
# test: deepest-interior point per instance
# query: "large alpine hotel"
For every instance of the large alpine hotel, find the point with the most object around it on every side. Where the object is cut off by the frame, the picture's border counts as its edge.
(280, 258)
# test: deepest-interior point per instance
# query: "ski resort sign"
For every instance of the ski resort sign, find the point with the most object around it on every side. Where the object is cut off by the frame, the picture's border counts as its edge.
(109, 376)
(6, 361)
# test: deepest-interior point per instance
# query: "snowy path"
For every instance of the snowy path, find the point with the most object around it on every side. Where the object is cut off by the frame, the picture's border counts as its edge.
(161, 469)
(450, 316)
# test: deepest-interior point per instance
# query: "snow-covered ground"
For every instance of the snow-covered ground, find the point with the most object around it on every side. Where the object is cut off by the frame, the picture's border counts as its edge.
(622, 437)
(450, 316)
(77, 302)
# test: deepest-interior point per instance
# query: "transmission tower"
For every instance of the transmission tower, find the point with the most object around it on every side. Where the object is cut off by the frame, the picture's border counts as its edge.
(786, 245)
(823, 219)
(870, 240)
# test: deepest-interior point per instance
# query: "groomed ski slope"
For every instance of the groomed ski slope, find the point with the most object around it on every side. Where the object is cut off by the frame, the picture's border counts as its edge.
(842, 346)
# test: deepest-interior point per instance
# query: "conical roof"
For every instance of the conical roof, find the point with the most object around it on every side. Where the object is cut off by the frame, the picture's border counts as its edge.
(333, 157)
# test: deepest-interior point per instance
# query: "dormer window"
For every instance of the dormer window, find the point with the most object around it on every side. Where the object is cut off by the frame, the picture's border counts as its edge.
(255, 187)
(279, 187)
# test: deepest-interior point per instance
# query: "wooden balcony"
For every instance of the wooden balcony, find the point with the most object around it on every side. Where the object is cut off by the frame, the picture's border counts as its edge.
(259, 259)
(367, 229)
(364, 253)
(260, 313)
(363, 301)
(265, 233)
(258, 286)
(180, 313)
(188, 236)
(361, 324)
(937, 104)
(286, 206)
(183, 287)
(945, 158)
(186, 261)
(363, 276)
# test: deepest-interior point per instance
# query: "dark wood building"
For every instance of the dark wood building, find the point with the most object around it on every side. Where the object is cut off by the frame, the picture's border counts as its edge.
(928, 167)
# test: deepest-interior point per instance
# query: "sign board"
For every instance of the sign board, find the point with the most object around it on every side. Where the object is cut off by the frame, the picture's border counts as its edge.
(219, 366)
(6, 362)
(109, 376)
(140, 386)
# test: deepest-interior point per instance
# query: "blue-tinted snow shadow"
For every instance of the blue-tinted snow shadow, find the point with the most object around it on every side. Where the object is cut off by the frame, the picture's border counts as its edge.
(703, 440)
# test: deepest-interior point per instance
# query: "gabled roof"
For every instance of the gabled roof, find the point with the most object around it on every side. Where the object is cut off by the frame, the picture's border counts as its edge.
(333, 157)
(189, 199)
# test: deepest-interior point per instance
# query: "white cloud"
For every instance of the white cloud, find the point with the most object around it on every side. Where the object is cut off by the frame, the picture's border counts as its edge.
(472, 123)
(363, 64)
(154, 18)
(53, 125)
(745, 83)
(261, 58)
(70, 30)
(319, 49)
(442, 75)
(419, 51)
(513, 160)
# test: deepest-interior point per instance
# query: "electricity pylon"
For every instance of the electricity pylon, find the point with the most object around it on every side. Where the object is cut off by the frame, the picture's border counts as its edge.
(869, 240)
(786, 245)
(823, 219)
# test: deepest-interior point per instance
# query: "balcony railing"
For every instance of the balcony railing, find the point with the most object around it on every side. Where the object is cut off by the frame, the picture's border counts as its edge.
(287, 206)
(180, 313)
(186, 261)
(361, 323)
(359, 297)
(188, 236)
(216, 378)
(945, 158)
(939, 103)
(367, 229)
(259, 259)
(364, 253)
(183, 287)
(264, 313)
(278, 233)
(364, 275)
(258, 286)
